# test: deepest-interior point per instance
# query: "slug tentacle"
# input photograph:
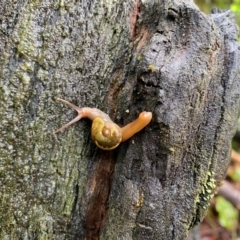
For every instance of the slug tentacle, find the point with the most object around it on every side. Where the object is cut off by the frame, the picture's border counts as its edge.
(105, 133)
(68, 124)
(78, 109)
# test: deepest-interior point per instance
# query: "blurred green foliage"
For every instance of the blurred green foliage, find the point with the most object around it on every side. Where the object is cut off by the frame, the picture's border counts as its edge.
(227, 214)
(235, 175)
(235, 6)
(207, 5)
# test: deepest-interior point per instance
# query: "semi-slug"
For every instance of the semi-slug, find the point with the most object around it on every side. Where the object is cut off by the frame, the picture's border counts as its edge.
(105, 133)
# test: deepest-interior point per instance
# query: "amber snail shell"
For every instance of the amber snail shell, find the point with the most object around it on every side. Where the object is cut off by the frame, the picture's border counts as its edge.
(106, 135)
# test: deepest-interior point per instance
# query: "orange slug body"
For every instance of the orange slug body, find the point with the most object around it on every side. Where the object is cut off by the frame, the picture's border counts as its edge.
(105, 133)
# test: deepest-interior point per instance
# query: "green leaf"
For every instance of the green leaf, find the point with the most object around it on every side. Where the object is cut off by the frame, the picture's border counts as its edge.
(227, 214)
(235, 6)
(235, 175)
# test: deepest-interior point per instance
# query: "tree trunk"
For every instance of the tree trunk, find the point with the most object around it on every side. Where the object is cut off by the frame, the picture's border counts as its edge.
(122, 57)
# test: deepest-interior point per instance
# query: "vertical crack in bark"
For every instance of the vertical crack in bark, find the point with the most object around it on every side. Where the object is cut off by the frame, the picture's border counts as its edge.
(133, 19)
(100, 188)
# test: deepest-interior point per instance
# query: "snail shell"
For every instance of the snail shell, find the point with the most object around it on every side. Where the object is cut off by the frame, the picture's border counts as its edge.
(106, 135)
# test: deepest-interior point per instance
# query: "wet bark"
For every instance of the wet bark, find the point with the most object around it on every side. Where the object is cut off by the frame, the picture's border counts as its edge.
(122, 57)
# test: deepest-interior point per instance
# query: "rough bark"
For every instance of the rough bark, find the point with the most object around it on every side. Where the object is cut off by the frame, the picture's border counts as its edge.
(121, 57)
